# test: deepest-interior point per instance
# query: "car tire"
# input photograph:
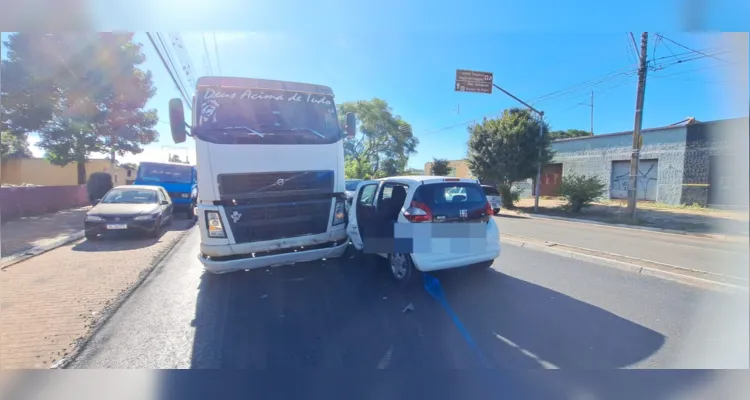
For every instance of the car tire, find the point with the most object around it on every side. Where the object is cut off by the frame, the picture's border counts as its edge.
(496, 211)
(91, 236)
(485, 265)
(402, 268)
(156, 232)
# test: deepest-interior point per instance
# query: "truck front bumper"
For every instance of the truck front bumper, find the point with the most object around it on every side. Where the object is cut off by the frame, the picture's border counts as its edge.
(230, 258)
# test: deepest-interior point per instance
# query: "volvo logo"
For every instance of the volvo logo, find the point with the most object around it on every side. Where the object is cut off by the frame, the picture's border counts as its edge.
(117, 218)
(280, 182)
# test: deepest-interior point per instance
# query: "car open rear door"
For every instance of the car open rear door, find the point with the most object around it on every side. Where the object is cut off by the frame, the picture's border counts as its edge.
(361, 211)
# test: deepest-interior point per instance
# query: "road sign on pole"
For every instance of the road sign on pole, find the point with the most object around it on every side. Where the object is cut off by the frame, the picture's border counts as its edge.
(473, 81)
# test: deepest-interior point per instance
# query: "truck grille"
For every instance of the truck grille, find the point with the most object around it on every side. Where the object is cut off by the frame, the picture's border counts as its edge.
(238, 186)
(259, 222)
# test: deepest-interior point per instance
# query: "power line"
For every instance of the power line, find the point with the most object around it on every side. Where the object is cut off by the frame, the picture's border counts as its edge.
(208, 57)
(635, 46)
(184, 56)
(216, 50)
(169, 58)
(174, 79)
(688, 48)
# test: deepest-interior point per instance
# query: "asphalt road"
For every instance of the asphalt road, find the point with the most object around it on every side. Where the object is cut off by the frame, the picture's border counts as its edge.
(533, 310)
(705, 254)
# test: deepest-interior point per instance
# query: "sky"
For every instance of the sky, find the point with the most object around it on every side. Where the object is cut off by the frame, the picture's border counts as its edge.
(414, 71)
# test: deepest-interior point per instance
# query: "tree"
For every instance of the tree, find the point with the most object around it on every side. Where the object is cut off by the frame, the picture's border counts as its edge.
(506, 149)
(130, 166)
(383, 144)
(14, 146)
(441, 167)
(83, 93)
(570, 133)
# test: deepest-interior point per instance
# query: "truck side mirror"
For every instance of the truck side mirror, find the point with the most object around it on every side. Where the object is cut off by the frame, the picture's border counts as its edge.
(177, 120)
(351, 124)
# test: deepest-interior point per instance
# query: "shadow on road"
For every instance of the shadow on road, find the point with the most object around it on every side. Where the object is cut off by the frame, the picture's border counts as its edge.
(513, 216)
(130, 240)
(340, 314)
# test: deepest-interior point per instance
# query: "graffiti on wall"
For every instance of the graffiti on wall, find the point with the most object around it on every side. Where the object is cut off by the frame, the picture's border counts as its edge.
(647, 179)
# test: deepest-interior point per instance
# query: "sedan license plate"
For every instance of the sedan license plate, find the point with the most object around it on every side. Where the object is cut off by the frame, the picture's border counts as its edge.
(117, 226)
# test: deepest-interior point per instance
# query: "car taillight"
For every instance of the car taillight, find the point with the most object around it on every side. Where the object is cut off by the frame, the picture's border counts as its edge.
(418, 212)
(488, 208)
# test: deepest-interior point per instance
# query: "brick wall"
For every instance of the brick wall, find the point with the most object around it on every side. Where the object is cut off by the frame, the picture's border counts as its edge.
(593, 156)
(18, 202)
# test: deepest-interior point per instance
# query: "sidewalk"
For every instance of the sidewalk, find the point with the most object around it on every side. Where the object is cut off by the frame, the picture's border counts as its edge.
(51, 303)
(687, 219)
(19, 236)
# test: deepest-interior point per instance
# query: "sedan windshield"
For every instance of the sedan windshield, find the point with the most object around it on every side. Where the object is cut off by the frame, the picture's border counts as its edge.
(166, 173)
(130, 196)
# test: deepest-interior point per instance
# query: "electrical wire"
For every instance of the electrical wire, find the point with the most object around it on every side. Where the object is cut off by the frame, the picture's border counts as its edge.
(171, 74)
(208, 56)
(216, 50)
(184, 56)
(171, 62)
(688, 48)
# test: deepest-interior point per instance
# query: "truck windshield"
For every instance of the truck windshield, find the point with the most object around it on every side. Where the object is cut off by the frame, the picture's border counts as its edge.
(165, 173)
(255, 116)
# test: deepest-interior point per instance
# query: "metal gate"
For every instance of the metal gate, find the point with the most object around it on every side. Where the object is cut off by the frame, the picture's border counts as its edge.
(648, 173)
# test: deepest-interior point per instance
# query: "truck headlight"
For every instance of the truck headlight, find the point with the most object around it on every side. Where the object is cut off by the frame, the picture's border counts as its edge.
(214, 226)
(339, 213)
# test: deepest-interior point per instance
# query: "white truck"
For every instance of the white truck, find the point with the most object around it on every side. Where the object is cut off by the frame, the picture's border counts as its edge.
(270, 160)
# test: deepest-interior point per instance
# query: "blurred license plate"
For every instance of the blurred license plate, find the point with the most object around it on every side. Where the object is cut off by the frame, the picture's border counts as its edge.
(117, 226)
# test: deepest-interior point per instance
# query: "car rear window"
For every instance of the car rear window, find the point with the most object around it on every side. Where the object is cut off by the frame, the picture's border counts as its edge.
(450, 193)
(490, 191)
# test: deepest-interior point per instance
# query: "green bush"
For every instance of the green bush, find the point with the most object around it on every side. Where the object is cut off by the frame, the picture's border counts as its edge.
(509, 196)
(98, 185)
(580, 191)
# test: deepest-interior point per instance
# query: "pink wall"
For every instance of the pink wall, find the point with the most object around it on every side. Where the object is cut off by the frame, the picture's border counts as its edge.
(17, 202)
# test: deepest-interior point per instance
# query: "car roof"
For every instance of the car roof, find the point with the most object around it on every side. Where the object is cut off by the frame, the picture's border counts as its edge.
(427, 179)
(138, 187)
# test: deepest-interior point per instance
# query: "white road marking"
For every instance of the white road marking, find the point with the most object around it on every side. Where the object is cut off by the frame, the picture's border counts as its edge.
(543, 363)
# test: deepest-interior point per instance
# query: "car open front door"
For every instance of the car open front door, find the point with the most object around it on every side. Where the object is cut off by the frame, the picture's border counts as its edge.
(361, 211)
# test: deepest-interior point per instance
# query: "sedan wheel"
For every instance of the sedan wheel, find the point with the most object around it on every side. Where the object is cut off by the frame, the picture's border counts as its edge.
(402, 268)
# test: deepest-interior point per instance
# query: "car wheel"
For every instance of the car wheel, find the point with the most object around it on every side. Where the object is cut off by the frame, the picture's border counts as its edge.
(402, 268)
(156, 232)
(496, 211)
(484, 265)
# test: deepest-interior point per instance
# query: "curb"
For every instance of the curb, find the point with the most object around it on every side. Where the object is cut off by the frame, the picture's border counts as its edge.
(112, 308)
(632, 227)
(677, 274)
(15, 259)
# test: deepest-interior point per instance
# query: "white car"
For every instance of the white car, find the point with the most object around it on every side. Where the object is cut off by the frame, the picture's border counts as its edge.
(494, 197)
(424, 223)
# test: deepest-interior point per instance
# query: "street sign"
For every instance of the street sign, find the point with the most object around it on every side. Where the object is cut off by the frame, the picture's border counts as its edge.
(473, 81)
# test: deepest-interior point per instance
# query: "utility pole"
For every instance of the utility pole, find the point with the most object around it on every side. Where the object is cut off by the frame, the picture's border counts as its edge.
(591, 106)
(640, 94)
(537, 184)
(592, 112)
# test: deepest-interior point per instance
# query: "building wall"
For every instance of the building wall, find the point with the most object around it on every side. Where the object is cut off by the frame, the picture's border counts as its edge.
(38, 171)
(712, 162)
(593, 156)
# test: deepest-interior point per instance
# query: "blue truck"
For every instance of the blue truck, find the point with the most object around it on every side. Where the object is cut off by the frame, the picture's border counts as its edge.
(179, 180)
